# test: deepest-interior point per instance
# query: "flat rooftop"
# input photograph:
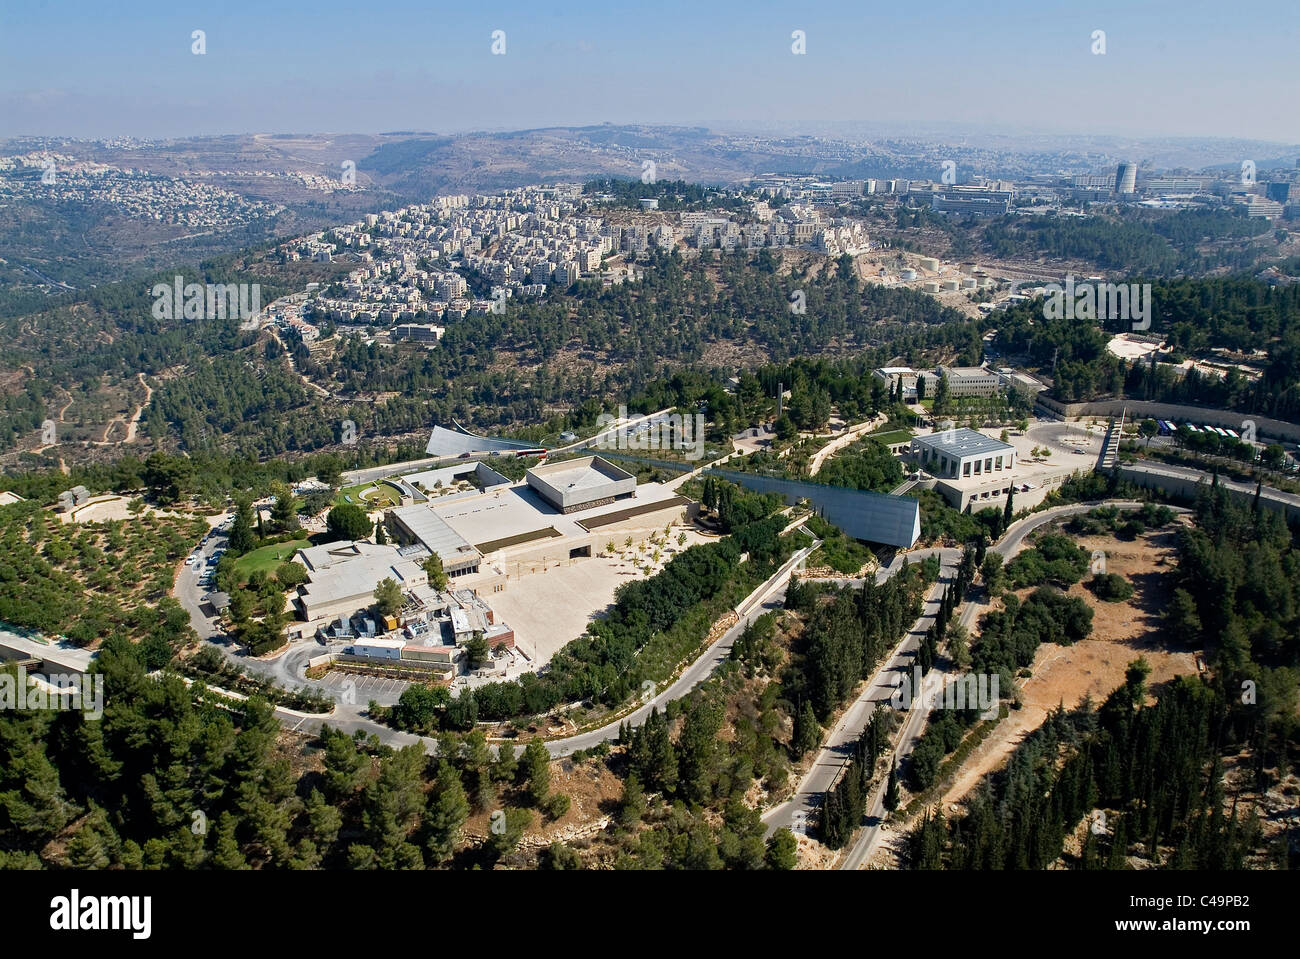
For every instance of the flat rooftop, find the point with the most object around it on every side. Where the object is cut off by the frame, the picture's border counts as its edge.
(510, 512)
(571, 484)
(431, 530)
(963, 442)
(359, 576)
(474, 471)
(578, 476)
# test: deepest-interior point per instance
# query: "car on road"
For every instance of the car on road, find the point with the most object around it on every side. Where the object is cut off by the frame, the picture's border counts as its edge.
(1077, 451)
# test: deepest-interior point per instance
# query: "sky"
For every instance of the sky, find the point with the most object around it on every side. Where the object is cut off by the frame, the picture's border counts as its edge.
(1186, 68)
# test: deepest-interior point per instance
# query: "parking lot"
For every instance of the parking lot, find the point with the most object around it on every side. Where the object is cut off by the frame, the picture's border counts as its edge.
(365, 688)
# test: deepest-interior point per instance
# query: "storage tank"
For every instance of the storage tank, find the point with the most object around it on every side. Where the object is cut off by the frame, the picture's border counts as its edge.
(931, 286)
(948, 286)
(968, 283)
(930, 263)
(908, 274)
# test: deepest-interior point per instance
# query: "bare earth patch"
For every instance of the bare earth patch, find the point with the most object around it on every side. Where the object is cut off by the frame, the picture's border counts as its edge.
(1121, 632)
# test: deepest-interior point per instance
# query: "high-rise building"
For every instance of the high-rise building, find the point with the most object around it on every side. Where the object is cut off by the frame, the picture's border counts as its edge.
(1126, 178)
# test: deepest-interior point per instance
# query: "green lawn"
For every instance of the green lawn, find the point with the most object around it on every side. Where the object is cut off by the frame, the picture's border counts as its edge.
(267, 558)
(352, 494)
(891, 437)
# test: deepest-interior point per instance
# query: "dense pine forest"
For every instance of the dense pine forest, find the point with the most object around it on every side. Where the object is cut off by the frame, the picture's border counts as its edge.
(1239, 315)
(1151, 777)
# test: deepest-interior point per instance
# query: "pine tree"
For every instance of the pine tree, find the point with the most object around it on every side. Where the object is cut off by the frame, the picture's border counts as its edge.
(807, 731)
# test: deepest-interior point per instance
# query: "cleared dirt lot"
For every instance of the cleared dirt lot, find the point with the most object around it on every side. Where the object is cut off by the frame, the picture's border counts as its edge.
(1121, 632)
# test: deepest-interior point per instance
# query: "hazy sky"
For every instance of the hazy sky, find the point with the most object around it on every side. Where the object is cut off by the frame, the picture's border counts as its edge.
(1190, 67)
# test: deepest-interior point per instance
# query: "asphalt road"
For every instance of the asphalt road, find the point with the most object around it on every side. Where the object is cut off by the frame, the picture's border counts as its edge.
(875, 828)
(801, 808)
(372, 473)
(349, 714)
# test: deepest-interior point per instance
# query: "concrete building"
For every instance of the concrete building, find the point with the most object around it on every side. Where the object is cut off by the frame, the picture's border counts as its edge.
(378, 647)
(1126, 178)
(969, 466)
(962, 453)
(1012, 379)
(560, 512)
(418, 524)
(474, 472)
(890, 375)
(972, 202)
(963, 381)
(420, 333)
(341, 577)
(573, 485)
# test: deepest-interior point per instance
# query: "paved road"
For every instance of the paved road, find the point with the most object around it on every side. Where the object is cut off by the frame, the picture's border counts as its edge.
(288, 669)
(372, 473)
(849, 436)
(801, 808)
(875, 828)
(770, 598)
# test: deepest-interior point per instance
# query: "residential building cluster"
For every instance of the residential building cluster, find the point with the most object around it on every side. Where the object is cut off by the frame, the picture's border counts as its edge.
(132, 193)
(458, 254)
(793, 225)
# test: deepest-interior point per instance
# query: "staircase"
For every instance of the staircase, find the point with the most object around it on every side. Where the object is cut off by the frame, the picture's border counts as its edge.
(1110, 448)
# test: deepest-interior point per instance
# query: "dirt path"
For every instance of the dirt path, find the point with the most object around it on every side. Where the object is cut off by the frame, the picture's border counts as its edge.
(294, 366)
(852, 436)
(65, 406)
(131, 424)
(135, 420)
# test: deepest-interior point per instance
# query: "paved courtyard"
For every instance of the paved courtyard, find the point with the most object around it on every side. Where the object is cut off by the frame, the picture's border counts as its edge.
(552, 606)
